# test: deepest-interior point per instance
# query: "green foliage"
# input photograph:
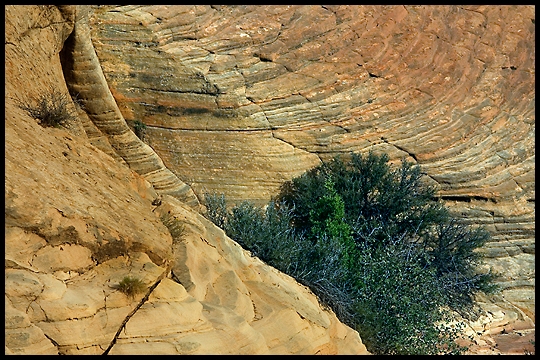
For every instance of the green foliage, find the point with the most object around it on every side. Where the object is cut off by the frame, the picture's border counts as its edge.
(327, 215)
(399, 308)
(216, 208)
(384, 205)
(140, 129)
(374, 194)
(266, 233)
(131, 286)
(51, 109)
(373, 244)
(327, 221)
(453, 252)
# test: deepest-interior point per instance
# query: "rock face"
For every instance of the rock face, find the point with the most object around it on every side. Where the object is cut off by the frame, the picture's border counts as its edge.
(238, 99)
(79, 221)
(86, 81)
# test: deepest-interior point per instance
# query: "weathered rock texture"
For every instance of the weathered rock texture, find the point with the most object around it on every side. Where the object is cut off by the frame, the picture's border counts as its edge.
(238, 99)
(85, 80)
(78, 221)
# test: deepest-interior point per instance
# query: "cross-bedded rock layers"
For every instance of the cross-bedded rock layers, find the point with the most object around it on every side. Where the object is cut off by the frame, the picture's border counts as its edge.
(237, 100)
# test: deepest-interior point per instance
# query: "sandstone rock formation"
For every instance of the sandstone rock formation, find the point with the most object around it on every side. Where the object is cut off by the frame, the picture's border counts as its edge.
(238, 99)
(86, 81)
(78, 221)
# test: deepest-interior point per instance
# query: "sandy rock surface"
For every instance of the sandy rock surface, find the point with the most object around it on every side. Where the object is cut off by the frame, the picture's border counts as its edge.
(81, 216)
(239, 99)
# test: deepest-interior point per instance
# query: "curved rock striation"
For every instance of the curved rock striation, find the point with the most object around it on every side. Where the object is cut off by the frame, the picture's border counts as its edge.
(85, 80)
(77, 222)
(238, 99)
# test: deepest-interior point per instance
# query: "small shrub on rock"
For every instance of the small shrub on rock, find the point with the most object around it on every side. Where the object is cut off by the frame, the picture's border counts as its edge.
(131, 286)
(51, 109)
(140, 129)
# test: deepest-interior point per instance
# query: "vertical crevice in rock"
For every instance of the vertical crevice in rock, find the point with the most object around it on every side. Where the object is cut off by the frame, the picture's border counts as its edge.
(141, 303)
(86, 81)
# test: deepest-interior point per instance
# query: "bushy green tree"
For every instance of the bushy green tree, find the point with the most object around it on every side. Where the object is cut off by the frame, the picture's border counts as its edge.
(384, 205)
(374, 194)
(375, 245)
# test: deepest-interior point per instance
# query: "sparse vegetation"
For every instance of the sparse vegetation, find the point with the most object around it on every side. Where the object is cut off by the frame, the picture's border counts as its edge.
(140, 129)
(373, 244)
(131, 286)
(51, 109)
(216, 208)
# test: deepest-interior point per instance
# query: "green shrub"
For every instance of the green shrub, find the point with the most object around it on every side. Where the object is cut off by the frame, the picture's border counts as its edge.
(400, 307)
(374, 194)
(216, 208)
(51, 109)
(131, 286)
(384, 205)
(266, 233)
(140, 129)
(374, 244)
(327, 223)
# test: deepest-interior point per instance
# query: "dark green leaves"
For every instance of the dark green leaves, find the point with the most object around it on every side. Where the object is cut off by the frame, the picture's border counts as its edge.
(372, 243)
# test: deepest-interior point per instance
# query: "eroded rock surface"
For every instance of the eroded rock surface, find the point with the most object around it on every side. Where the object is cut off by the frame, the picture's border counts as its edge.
(78, 221)
(86, 82)
(238, 99)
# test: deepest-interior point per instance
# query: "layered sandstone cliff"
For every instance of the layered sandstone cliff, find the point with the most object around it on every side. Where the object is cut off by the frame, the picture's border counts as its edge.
(79, 218)
(238, 99)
